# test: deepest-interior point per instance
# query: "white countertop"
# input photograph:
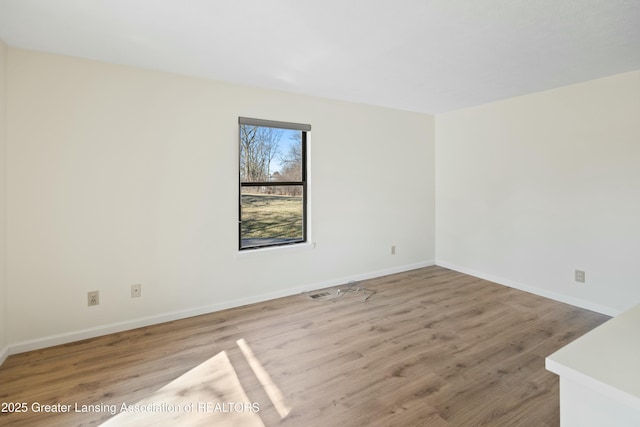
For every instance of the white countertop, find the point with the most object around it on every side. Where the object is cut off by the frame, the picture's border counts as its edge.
(606, 359)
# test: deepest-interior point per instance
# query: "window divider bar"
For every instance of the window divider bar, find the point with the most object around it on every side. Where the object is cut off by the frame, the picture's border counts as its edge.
(271, 184)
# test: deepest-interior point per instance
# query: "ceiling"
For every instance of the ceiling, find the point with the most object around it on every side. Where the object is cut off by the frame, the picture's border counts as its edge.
(428, 56)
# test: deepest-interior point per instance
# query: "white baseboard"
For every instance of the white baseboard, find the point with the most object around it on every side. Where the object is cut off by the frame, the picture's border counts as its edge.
(577, 302)
(3, 355)
(82, 334)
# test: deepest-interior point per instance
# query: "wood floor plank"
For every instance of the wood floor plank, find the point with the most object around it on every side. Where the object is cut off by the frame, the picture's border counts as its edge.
(432, 347)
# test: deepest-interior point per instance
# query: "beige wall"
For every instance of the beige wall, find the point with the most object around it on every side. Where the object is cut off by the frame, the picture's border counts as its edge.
(120, 175)
(3, 202)
(531, 188)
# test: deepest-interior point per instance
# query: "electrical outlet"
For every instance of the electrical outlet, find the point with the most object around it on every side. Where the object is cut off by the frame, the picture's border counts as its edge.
(93, 298)
(393, 249)
(136, 290)
(579, 276)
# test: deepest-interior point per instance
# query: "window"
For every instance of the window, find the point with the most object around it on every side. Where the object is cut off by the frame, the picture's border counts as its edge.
(273, 183)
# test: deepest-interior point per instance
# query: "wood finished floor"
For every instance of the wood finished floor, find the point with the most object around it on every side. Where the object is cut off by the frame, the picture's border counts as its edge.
(433, 347)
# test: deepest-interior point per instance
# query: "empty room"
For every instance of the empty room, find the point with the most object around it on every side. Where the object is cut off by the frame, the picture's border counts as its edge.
(327, 213)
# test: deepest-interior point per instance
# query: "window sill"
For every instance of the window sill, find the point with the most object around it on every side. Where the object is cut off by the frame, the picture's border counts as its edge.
(276, 250)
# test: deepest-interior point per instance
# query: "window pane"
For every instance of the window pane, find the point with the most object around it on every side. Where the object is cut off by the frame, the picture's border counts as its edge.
(270, 154)
(271, 215)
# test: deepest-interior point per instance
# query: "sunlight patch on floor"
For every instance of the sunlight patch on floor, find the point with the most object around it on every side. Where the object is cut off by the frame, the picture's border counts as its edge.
(209, 394)
(274, 393)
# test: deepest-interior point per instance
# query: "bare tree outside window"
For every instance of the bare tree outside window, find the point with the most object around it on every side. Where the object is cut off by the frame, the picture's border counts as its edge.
(258, 147)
